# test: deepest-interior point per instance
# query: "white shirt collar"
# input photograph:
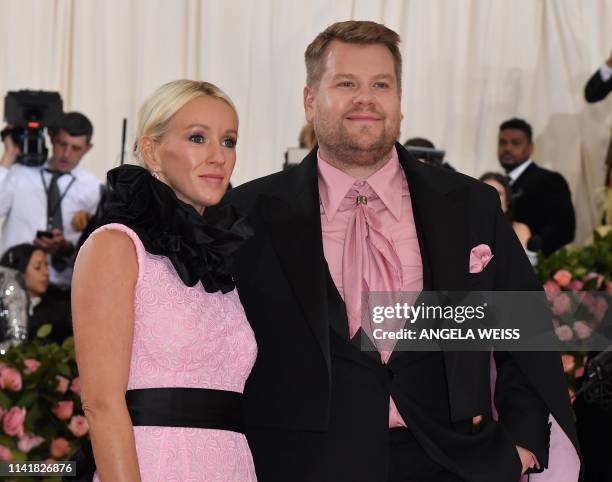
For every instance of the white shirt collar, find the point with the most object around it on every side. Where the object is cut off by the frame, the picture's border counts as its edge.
(515, 173)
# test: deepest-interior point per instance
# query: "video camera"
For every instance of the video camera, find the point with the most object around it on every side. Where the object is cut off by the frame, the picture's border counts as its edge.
(30, 112)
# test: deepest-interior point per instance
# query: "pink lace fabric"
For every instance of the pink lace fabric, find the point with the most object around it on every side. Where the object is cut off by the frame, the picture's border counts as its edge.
(186, 337)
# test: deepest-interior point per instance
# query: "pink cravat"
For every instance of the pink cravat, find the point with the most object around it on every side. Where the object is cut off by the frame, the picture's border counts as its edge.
(368, 255)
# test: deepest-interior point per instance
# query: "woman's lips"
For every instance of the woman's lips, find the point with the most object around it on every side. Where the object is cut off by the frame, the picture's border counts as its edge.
(212, 178)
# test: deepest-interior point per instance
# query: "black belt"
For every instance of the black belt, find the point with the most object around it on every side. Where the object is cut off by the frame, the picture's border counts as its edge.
(171, 407)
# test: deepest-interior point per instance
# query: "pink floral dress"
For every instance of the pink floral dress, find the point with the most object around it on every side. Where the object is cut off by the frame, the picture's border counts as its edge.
(186, 337)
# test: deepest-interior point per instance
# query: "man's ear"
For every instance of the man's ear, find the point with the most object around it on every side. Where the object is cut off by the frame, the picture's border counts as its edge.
(309, 103)
(89, 146)
(148, 146)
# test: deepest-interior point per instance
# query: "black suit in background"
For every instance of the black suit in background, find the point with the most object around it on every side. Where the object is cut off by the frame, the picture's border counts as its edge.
(543, 201)
(316, 406)
(596, 89)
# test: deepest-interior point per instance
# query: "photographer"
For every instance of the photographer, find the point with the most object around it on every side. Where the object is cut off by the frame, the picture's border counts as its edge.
(49, 204)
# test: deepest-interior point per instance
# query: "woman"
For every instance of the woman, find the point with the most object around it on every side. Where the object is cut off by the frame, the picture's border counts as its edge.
(31, 262)
(500, 183)
(162, 342)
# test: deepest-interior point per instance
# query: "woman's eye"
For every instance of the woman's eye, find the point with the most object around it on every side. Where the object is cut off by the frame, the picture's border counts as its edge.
(197, 138)
(381, 85)
(345, 83)
(229, 142)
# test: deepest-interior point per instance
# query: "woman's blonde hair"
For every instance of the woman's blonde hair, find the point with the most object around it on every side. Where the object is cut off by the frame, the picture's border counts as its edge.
(157, 111)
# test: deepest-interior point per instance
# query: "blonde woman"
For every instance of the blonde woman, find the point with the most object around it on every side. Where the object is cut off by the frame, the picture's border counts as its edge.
(163, 345)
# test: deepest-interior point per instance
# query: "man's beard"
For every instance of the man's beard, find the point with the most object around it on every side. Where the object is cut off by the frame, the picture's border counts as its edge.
(509, 167)
(346, 148)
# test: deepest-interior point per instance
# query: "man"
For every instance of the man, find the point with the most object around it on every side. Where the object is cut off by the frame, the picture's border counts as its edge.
(317, 407)
(600, 83)
(53, 198)
(541, 198)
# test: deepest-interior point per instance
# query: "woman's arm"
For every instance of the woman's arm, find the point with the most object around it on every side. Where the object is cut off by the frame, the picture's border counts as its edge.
(103, 316)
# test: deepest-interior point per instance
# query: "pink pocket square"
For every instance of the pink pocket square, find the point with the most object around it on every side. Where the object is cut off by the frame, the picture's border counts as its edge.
(479, 258)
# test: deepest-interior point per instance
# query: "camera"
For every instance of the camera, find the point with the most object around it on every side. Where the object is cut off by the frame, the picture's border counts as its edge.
(30, 112)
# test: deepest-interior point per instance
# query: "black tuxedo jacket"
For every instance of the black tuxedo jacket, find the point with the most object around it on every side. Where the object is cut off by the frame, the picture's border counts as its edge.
(596, 89)
(542, 200)
(293, 417)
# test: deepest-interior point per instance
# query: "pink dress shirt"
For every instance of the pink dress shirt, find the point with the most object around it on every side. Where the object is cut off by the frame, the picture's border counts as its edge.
(394, 211)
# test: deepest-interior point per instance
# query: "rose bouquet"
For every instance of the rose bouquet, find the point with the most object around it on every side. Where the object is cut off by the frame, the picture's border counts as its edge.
(41, 418)
(578, 285)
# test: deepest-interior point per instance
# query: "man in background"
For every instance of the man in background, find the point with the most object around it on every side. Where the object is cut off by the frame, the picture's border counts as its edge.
(600, 83)
(45, 204)
(542, 198)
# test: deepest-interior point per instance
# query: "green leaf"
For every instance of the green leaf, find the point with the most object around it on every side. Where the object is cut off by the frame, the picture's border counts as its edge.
(64, 369)
(44, 331)
(68, 344)
(5, 401)
(27, 398)
(8, 442)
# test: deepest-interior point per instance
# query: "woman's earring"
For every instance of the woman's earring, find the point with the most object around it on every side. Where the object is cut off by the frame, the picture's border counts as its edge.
(155, 175)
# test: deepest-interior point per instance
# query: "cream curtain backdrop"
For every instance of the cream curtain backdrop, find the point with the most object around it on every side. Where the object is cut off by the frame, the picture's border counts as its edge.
(468, 65)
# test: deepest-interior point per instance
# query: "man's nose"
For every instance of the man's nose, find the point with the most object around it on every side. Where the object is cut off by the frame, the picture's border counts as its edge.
(364, 96)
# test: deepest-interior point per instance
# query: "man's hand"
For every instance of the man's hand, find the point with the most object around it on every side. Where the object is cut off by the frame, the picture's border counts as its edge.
(11, 151)
(528, 460)
(80, 220)
(54, 245)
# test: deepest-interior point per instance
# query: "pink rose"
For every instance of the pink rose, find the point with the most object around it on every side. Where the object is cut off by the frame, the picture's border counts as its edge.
(596, 276)
(10, 379)
(564, 333)
(75, 386)
(600, 309)
(576, 285)
(62, 384)
(59, 448)
(63, 410)
(31, 365)
(609, 287)
(588, 300)
(562, 277)
(5, 454)
(561, 304)
(579, 372)
(583, 331)
(551, 288)
(568, 363)
(78, 426)
(13, 421)
(28, 442)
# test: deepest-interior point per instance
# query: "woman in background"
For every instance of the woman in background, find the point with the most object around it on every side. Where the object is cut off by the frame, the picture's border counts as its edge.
(31, 262)
(162, 342)
(500, 183)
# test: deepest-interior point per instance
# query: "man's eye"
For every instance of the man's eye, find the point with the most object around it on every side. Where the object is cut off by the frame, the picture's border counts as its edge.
(229, 142)
(345, 83)
(197, 138)
(381, 85)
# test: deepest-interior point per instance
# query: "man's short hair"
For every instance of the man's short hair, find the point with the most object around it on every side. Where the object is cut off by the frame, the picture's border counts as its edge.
(519, 125)
(76, 124)
(354, 32)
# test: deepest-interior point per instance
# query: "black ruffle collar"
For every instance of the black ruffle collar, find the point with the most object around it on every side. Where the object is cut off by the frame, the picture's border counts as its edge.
(200, 247)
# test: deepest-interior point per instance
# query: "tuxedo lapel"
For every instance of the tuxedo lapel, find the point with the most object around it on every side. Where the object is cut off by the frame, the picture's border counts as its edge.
(439, 214)
(294, 224)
